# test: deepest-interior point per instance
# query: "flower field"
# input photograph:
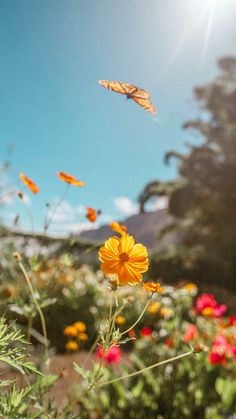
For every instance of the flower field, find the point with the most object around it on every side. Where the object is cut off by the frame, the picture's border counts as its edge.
(151, 349)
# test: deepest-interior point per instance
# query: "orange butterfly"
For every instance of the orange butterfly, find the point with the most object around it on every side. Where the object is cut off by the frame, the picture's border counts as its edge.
(140, 96)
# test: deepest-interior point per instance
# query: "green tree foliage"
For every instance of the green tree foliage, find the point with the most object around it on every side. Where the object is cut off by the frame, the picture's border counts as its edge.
(203, 199)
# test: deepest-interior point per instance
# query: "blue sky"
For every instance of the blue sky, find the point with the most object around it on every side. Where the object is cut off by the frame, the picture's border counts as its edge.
(53, 111)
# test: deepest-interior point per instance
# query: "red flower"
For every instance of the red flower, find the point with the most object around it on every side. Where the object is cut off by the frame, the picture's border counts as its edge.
(169, 342)
(190, 333)
(146, 331)
(221, 351)
(111, 356)
(217, 358)
(232, 320)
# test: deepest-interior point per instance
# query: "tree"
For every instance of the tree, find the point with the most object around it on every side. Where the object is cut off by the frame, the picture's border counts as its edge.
(203, 199)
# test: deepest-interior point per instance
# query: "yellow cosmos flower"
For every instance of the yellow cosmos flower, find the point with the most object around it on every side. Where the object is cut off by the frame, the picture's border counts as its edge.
(153, 287)
(123, 259)
(72, 345)
(80, 326)
(153, 307)
(120, 320)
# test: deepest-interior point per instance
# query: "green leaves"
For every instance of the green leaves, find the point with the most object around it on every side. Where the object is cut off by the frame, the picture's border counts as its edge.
(11, 350)
(226, 388)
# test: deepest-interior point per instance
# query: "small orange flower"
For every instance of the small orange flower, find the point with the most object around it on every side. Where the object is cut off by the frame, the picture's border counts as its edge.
(72, 345)
(124, 260)
(83, 337)
(121, 229)
(208, 312)
(120, 320)
(153, 287)
(91, 214)
(29, 183)
(70, 179)
(71, 331)
(80, 326)
(190, 287)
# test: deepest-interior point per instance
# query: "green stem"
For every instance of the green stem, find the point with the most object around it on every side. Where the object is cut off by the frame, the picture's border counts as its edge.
(26, 276)
(139, 318)
(49, 221)
(29, 327)
(29, 216)
(158, 364)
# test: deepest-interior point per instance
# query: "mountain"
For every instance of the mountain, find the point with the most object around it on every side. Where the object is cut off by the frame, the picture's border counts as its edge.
(145, 227)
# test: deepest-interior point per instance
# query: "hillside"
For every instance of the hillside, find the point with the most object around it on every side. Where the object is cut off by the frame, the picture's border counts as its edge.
(144, 227)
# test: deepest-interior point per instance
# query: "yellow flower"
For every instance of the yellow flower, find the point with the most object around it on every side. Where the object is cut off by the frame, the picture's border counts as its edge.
(124, 259)
(153, 307)
(153, 286)
(72, 345)
(207, 311)
(190, 287)
(83, 336)
(166, 312)
(121, 229)
(80, 326)
(71, 331)
(120, 320)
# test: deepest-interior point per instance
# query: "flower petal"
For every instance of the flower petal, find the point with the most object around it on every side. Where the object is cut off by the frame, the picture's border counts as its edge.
(126, 244)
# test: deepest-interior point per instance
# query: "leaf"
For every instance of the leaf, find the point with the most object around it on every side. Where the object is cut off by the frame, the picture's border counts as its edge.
(84, 373)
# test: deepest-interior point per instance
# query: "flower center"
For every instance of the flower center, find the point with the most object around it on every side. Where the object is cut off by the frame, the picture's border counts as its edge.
(124, 257)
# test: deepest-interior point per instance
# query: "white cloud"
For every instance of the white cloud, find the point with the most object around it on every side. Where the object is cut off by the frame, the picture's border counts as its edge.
(158, 203)
(8, 199)
(66, 228)
(126, 206)
(26, 198)
(69, 219)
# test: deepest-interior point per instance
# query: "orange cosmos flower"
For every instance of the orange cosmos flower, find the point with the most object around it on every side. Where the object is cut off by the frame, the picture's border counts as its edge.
(80, 326)
(124, 260)
(120, 320)
(190, 287)
(71, 331)
(153, 286)
(91, 214)
(29, 183)
(70, 179)
(121, 229)
(72, 346)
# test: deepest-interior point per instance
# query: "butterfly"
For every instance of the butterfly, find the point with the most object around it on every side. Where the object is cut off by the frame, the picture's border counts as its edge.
(140, 96)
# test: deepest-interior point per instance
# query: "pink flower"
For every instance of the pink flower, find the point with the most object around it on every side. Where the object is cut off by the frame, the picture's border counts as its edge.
(205, 300)
(146, 331)
(219, 310)
(190, 333)
(111, 356)
(207, 305)
(221, 351)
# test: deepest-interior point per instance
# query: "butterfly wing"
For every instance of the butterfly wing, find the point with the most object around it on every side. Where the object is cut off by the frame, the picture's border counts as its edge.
(145, 103)
(119, 87)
